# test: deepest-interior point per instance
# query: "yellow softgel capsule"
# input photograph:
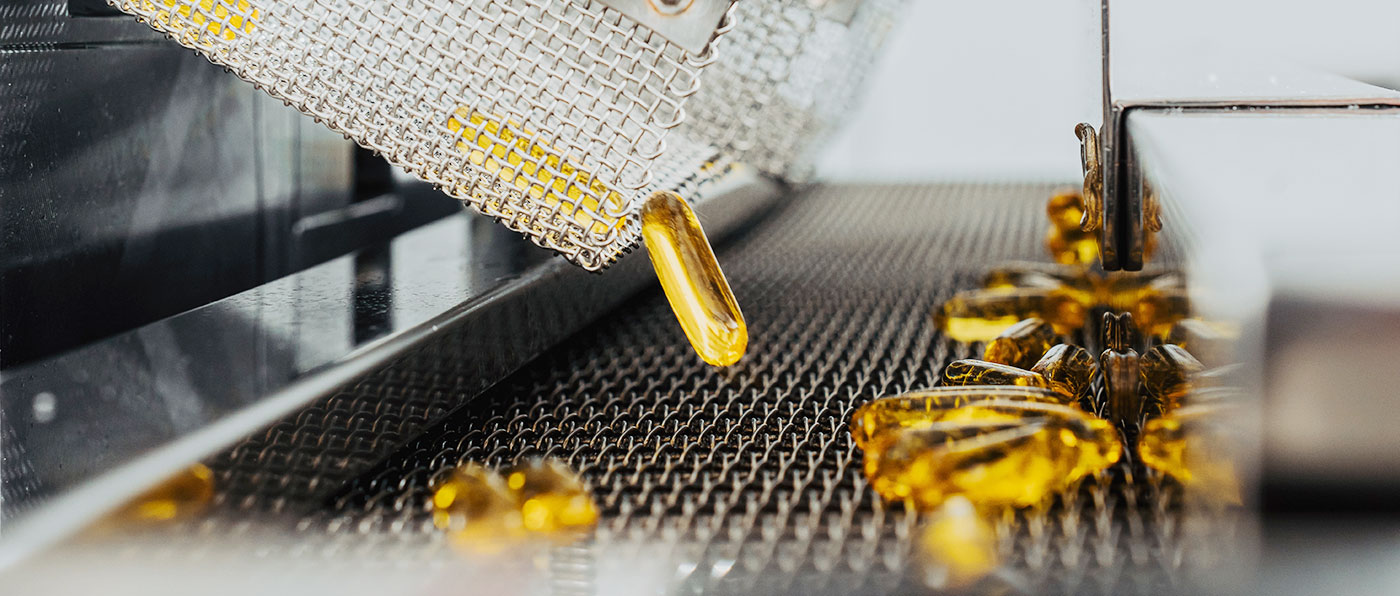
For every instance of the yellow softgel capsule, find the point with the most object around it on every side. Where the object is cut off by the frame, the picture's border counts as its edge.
(1065, 210)
(179, 497)
(981, 315)
(553, 500)
(1067, 368)
(956, 547)
(1072, 247)
(477, 510)
(1082, 282)
(1001, 454)
(694, 284)
(1021, 345)
(880, 417)
(1166, 372)
(1192, 445)
(1157, 309)
(980, 372)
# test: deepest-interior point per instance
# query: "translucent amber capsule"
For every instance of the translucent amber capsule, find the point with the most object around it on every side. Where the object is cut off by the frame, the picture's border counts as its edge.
(1072, 247)
(1166, 372)
(1021, 345)
(1001, 453)
(980, 372)
(1120, 369)
(477, 510)
(1068, 368)
(1193, 445)
(1065, 210)
(956, 547)
(178, 497)
(981, 315)
(880, 417)
(693, 282)
(553, 500)
(1079, 280)
(1157, 309)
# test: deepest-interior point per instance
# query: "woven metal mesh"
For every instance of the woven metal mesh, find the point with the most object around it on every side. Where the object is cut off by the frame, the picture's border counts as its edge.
(743, 480)
(787, 75)
(551, 116)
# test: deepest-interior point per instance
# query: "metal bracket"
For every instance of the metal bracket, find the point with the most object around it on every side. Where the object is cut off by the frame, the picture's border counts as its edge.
(689, 24)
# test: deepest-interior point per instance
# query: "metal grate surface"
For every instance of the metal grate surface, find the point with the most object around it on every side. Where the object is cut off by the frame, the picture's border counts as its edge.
(746, 475)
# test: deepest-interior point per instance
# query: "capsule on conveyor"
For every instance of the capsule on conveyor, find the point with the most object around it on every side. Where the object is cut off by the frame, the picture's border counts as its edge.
(476, 509)
(1067, 242)
(553, 500)
(691, 277)
(879, 418)
(980, 372)
(1193, 445)
(1067, 368)
(181, 496)
(1157, 309)
(956, 547)
(1021, 345)
(981, 315)
(1166, 372)
(997, 453)
(1085, 285)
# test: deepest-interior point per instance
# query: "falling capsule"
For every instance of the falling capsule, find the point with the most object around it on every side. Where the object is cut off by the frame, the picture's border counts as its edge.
(879, 418)
(553, 500)
(1067, 368)
(1166, 372)
(999, 453)
(179, 497)
(694, 284)
(1021, 345)
(956, 547)
(981, 315)
(980, 372)
(474, 506)
(1193, 445)
(1072, 247)
(1065, 210)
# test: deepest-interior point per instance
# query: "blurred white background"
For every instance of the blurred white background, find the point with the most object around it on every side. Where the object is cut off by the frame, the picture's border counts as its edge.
(970, 90)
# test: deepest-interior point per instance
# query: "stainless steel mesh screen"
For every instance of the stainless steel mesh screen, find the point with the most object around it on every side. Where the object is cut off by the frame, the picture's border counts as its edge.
(744, 479)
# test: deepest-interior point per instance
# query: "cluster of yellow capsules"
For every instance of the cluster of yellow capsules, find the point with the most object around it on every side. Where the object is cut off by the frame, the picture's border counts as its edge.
(1010, 430)
(485, 511)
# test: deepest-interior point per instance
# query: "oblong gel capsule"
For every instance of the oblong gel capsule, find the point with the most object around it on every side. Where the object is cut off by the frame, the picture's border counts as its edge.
(1166, 372)
(476, 509)
(1157, 309)
(956, 547)
(694, 284)
(1065, 209)
(1072, 247)
(1021, 345)
(917, 408)
(180, 496)
(1009, 454)
(1082, 282)
(1194, 445)
(1068, 368)
(553, 500)
(980, 372)
(981, 315)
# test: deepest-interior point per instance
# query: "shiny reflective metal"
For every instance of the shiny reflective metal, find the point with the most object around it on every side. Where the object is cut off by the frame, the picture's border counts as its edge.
(87, 429)
(556, 118)
(1142, 71)
(689, 24)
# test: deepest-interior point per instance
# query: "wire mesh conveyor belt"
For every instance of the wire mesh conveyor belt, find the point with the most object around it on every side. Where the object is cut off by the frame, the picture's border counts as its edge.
(737, 480)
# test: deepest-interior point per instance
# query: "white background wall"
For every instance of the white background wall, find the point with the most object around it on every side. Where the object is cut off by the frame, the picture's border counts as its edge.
(992, 89)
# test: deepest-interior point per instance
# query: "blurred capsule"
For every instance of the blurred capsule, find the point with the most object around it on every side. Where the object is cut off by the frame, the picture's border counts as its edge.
(956, 547)
(1072, 247)
(1210, 342)
(181, 496)
(1193, 445)
(1021, 345)
(980, 372)
(1065, 210)
(981, 315)
(1067, 368)
(477, 510)
(552, 499)
(1166, 372)
(1002, 454)
(880, 417)
(1157, 309)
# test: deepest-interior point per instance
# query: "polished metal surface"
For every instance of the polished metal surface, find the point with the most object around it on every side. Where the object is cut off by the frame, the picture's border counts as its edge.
(143, 403)
(740, 480)
(1295, 211)
(687, 23)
